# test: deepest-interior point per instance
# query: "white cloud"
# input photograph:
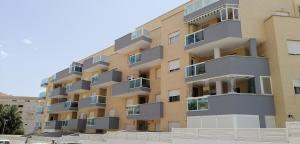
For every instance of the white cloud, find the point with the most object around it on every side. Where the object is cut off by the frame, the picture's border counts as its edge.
(1, 45)
(3, 54)
(27, 41)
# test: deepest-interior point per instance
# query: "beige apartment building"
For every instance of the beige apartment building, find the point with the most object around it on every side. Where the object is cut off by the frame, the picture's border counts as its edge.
(26, 105)
(204, 64)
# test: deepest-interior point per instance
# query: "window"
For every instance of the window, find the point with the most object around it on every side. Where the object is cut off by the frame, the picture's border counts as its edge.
(294, 47)
(174, 95)
(173, 38)
(265, 82)
(174, 65)
(20, 106)
(157, 73)
(135, 58)
(297, 86)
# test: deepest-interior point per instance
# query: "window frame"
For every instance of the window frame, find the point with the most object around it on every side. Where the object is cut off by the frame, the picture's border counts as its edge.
(176, 69)
(173, 36)
(294, 87)
(261, 85)
(177, 97)
(288, 48)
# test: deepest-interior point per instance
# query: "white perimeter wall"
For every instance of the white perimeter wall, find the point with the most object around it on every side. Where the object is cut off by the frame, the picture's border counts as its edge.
(224, 121)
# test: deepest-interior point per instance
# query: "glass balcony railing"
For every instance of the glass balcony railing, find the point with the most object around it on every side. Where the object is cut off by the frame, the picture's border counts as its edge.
(65, 123)
(39, 109)
(49, 108)
(90, 122)
(194, 37)
(197, 104)
(100, 58)
(42, 94)
(195, 69)
(97, 100)
(196, 5)
(95, 79)
(44, 82)
(133, 110)
(139, 83)
(75, 68)
(133, 59)
(70, 104)
(139, 33)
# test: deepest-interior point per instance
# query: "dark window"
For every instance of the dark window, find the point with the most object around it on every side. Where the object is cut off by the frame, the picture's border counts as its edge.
(174, 98)
(20, 106)
(297, 90)
(27, 100)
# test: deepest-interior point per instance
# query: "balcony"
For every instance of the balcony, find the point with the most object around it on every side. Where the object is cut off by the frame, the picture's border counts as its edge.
(139, 86)
(146, 59)
(106, 79)
(78, 87)
(234, 103)
(139, 39)
(92, 102)
(105, 123)
(67, 106)
(44, 82)
(223, 35)
(200, 10)
(58, 93)
(149, 111)
(53, 124)
(95, 63)
(75, 124)
(39, 109)
(42, 95)
(73, 72)
(227, 66)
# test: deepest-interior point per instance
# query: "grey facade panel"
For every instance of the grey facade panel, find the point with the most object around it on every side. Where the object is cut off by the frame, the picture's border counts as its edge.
(150, 111)
(106, 123)
(86, 103)
(109, 76)
(62, 74)
(149, 55)
(77, 124)
(219, 31)
(246, 104)
(62, 107)
(243, 65)
(80, 85)
(123, 88)
(126, 41)
(57, 92)
(209, 8)
(88, 63)
(53, 125)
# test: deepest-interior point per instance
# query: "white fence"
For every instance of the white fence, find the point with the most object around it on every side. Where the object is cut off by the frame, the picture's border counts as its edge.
(264, 135)
(146, 136)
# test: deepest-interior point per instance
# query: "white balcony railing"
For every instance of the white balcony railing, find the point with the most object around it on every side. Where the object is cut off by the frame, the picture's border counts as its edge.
(133, 59)
(133, 110)
(195, 69)
(100, 58)
(139, 83)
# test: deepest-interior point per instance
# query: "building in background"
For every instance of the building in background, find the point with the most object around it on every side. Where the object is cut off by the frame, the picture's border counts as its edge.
(26, 105)
(204, 64)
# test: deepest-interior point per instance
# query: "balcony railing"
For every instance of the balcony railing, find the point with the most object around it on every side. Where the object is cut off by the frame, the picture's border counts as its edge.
(194, 37)
(133, 110)
(197, 104)
(44, 82)
(139, 83)
(42, 94)
(100, 58)
(39, 109)
(75, 68)
(196, 5)
(97, 100)
(195, 69)
(133, 59)
(64, 106)
(139, 33)
(90, 122)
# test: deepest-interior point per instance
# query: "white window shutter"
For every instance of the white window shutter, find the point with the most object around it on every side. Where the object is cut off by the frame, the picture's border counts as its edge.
(294, 47)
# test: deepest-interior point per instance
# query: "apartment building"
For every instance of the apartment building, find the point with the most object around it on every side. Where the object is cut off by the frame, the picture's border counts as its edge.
(205, 64)
(26, 106)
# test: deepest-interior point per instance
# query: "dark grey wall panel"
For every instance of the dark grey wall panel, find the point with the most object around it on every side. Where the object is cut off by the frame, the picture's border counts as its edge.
(80, 85)
(126, 41)
(219, 31)
(53, 125)
(85, 103)
(106, 123)
(57, 92)
(150, 111)
(149, 55)
(245, 104)
(77, 124)
(88, 63)
(109, 76)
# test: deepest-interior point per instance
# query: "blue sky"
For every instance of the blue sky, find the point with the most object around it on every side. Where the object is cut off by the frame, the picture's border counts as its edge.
(41, 37)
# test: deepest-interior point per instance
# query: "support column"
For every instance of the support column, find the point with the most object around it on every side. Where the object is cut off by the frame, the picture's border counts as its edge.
(253, 47)
(219, 87)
